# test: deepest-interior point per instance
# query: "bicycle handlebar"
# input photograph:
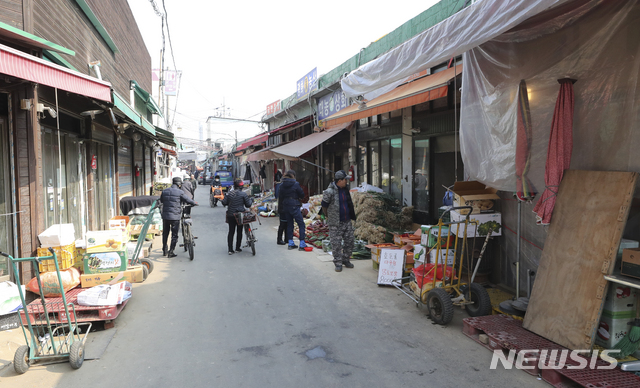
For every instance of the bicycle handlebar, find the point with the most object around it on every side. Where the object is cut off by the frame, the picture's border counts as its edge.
(4, 254)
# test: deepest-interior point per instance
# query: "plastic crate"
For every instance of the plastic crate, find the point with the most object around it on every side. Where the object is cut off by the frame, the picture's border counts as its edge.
(66, 257)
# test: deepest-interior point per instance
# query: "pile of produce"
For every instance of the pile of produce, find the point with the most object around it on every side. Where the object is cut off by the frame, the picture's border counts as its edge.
(377, 214)
(316, 233)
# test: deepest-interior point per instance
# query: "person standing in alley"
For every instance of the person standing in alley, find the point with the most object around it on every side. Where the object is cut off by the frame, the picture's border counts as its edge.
(289, 196)
(172, 199)
(339, 210)
(282, 228)
(235, 201)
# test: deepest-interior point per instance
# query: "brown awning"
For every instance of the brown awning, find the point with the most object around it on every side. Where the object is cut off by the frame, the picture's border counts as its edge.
(301, 146)
(413, 93)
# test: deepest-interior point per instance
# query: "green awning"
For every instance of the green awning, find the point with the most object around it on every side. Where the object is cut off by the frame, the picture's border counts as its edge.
(126, 109)
(28, 39)
(165, 136)
(147, 98)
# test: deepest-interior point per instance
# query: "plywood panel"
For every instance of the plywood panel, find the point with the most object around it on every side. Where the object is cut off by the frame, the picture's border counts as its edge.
(589, 217)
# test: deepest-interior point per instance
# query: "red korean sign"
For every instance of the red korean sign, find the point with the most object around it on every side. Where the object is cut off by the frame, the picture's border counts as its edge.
(94, 163)
(273, 107)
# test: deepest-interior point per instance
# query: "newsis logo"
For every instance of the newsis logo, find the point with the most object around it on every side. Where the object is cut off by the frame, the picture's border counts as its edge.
(525, 359)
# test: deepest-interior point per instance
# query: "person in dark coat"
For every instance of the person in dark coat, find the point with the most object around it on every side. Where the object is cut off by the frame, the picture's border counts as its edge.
(190, 191)
(282, 228)
(172, 200)
(289, 196)
(235, 201)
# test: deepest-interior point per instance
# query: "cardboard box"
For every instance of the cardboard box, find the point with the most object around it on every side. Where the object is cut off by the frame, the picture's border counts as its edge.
(430, 235)
(625, 244)
(376, 248)
(613, 327)
(106, 241)
(119, 223)
(420, 252)
(620, 298)
(475, 194)
(131, 275)
(105, 262)
(57, 235)
(631, 262)
(445, 254)
(480, 219)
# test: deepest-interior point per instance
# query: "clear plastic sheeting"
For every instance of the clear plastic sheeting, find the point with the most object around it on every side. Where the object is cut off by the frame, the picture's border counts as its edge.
(472, 26)
(594, 42)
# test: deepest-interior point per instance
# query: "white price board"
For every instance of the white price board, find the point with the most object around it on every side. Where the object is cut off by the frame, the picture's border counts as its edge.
(391, 264)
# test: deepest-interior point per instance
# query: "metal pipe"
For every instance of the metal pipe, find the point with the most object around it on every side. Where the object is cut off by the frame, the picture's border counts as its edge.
(518, 250)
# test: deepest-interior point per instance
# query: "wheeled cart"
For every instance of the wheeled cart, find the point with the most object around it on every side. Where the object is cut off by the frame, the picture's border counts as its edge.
(439, 286)
(55, 332)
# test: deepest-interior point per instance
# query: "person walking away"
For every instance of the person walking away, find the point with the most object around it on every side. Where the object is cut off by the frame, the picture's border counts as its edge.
(235, 201)
(282, 228)
(338, 207)
(189, 190)
(289, 196)
(172, 200)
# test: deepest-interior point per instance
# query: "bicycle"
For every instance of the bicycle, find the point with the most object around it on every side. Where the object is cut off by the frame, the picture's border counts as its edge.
(246, 218)
(188, 239)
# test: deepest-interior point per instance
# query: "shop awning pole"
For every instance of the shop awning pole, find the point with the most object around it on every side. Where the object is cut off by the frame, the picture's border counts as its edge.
(313, 164)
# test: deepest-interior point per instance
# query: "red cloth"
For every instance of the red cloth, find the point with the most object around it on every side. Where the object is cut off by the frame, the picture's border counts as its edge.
(558, 152)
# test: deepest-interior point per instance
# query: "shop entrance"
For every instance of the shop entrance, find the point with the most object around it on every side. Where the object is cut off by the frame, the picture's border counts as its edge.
(63, 183)
(105, 195)
(6, 208)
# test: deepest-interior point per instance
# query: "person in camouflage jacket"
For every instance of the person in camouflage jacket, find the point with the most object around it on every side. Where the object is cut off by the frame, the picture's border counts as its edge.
(338, 208)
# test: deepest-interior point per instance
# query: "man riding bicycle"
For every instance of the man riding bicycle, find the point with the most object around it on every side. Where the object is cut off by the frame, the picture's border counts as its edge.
(235, 201)
(172, 199)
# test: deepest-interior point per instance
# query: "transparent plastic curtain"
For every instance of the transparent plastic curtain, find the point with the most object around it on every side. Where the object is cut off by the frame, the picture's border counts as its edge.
(595, 42)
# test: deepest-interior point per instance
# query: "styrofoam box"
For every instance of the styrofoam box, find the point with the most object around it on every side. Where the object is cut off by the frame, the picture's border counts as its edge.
(57, 235)
(419, 252)
(620, 298)
(479, 218)
(448, 254)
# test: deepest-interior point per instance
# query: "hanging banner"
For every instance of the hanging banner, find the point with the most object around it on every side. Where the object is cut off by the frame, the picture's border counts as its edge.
(273, 108)
(170, 83)
(94, 163)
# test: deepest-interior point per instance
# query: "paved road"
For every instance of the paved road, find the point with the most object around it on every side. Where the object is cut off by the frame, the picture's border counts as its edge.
(279, 319)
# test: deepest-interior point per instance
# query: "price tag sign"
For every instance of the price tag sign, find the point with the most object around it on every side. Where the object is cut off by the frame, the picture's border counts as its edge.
(391, 264)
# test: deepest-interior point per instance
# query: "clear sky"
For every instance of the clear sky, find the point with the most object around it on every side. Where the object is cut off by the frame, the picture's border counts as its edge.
(248, 54)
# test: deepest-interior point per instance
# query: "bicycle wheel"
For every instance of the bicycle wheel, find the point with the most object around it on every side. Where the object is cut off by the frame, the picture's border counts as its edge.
(251, 241)
(211, 200)
(188, 245)
(185, 230)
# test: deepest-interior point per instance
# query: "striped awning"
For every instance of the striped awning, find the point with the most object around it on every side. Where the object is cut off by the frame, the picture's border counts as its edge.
(18, 64)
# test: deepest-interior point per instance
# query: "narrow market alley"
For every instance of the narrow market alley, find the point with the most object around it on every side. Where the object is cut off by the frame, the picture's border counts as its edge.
(279, 319)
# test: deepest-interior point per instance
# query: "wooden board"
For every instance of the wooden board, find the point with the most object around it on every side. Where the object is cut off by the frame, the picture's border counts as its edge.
(588, 220)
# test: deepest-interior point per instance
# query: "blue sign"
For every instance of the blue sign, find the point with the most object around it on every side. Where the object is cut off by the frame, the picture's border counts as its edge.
(331, 103)
(307, 84)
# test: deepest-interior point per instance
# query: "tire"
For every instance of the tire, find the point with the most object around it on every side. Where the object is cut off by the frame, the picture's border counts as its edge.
(440, 306)
(21, 362)
(251, 240)
(186, 236)
(481, 301)
(190, 245)
(145, 273)
(76, 354)
(211, 200)
(147, 263)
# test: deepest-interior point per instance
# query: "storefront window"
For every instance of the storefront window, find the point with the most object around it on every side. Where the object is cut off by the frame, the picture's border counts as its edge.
(374, 148)
(396, 168)
(385, 164)
(362, 164)
(421, 175)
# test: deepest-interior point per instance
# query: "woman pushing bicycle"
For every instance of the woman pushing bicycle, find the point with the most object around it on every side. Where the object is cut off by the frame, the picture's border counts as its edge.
(235, 201)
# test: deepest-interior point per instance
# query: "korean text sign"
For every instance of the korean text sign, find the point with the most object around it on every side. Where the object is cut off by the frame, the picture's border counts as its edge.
(307, 84)
(391, 264)
(331, 103)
